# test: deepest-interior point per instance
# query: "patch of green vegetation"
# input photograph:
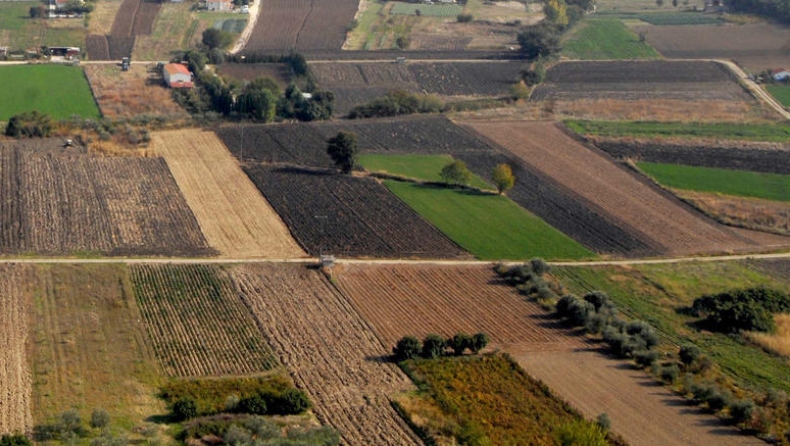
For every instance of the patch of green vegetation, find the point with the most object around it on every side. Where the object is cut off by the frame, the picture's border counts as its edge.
(487, 225)
(655, 293)
(57, 90)
(65, 37)
(213, 395)
(741, 183)
(667, 18)
(418, 167)
(441, 10)
(235, 25)
(491, 400)
(14, 16)
(781, 92)
(719, 130)
(19, 32)
(606, 39)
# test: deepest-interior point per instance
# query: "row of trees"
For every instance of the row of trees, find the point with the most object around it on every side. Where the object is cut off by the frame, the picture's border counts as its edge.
(457, 174)
(434, 346)
(289, 402)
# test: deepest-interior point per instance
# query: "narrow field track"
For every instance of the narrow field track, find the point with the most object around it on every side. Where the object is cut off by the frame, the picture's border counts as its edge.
(232, 214)
(15, 374)
(329, 350)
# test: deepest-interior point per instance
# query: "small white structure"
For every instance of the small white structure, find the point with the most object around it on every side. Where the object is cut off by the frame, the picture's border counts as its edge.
(780, 74)
(177, 76)
(219, 5)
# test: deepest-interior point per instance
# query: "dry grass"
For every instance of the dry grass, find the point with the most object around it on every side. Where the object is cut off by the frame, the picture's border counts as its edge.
(669, 110)
(750, 213)
(778, 342)
(103, 16)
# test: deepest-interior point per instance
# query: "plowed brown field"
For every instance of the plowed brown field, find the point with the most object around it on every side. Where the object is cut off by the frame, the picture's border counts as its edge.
(329, 350)
(641, 410)
(232, 214)
(653, 216)
(15, 373)
(405, 300)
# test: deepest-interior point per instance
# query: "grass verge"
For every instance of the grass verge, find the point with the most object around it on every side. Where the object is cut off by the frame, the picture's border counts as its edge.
(720, 130)
(780, 92)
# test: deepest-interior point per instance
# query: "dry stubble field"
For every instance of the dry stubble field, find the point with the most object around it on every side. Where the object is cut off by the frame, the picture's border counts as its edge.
(234, 217)
(653, 216)
(329, 350)
(15, 371)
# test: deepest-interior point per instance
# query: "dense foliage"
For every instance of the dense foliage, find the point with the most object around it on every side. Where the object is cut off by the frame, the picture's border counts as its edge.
(244, 430)
(29, 125)
(435, 346)
(397, 102)
(774, 9)
(342, 148)
(748, 309)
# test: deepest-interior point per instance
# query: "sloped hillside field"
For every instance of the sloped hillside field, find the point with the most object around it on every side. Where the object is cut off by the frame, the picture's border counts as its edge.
(61, 202)
(348, 216)
(329, 350)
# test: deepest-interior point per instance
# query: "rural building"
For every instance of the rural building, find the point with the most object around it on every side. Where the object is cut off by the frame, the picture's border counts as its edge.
(177, 76)
(780, 74)
(219, 5)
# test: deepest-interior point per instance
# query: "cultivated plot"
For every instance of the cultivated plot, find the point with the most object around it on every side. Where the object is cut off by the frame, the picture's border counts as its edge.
(329, 350)
(234, 217)
(15, 374)
(133, 18)
(57, 90)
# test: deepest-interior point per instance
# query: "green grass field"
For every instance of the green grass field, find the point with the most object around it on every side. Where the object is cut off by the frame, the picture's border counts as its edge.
(666, 18)
(19, 32)
(400, 8)
(57, 90)
(606, 39)
(725, 181)
(418, 167)
(780, 92)
(724, 130)
(489, 226)
(654, 293)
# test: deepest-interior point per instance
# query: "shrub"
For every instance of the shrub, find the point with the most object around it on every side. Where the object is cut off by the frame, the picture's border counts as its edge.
(408, 347)
(464, 18)
(603, 421)
(688, 354)
(184, 409)
(643, 331)
(459, 343)
(479, 342)
(646, 358)
(746, 309)
(741, 411)
(100, 418)
(563, 307)
(237, 436)
(29, 125)
(579, 312)
(717, 400)
(433, 346)
(255, 405)
(599, 299)
(456, 173)
(539, 266)
(15, 440)
(293, 402)
(669, 373)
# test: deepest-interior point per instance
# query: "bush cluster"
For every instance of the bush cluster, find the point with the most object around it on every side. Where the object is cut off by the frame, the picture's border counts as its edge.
(398, 102)
(67, 428)
(289, 402)
(242, 430)
(528, 278)
(434, 346)
(748, 309)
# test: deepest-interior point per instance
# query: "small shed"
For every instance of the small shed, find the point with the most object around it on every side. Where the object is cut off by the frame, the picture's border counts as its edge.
(780, 74)
(177, 76)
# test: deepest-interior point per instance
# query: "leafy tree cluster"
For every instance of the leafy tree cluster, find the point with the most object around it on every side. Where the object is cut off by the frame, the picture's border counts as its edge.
(69, 426)
(214, 38)
(456, 173)
(528, 278)
(31, 124)
(15, 440)
(748, 309)
(540, 41)
(342, 148)
(398, 102)
(257, 431)
(289, 402)
(435, 346)
(774, 9)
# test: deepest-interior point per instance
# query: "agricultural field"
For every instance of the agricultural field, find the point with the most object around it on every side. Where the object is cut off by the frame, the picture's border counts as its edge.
(16, 385)
(329, 351)
(358, 83)
(487, 225)
(19, 32)
(57, 90)
(87, 346)
(196, 324)
(347, 216)
(768, 186)
(133, 18)
(438, 10)
(755, 47)
(175, 27)
(655, 218)
(608, 39)
(780, 92)
(233, 216)
(57, 202)
(686, 17)
(742, 212)
(278, 72)
(730, 131)
(128, 94)
(302, 25)
(401, 300)
(417, 167)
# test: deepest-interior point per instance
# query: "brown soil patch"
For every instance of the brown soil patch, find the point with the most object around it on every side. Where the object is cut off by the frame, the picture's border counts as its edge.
(15, 374)
(750, 213)
(654, 216)
(329, 350)
(103, 16)
(403, 300)
(128, 94)
(232, 214)
(641, 410)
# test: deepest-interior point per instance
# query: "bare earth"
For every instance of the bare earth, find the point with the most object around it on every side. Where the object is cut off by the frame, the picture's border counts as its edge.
(234, 217)
(15, 374)
(642, 411)
(656, 218)
(329, 350)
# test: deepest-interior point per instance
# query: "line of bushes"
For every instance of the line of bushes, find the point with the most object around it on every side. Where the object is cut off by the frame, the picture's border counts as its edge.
(434, 346)
(245, 430)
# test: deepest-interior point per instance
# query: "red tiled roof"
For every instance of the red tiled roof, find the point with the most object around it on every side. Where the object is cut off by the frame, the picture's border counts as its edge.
(176, 68)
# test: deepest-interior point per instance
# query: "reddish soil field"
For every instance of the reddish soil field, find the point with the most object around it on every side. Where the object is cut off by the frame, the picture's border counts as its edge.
(348, 216)
(653, 216)
(284, 25)
(401, 300)
(754, 46)
(640, 80)
(58, 203)
(134, 18)
(187, 310)
(15, 374)
(641, 410)
(329, 350)
(357, 83)
(755, 158)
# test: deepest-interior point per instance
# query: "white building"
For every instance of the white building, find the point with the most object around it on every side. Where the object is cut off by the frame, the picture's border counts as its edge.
(177, 76)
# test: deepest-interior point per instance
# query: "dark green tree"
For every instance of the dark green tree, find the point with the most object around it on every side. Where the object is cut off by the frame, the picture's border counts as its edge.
(539, 41)
(342, 148)
(215, 38)
(31, 124)
(433, 346)
(100, 418)
(184, 409)
(459, 343)
(408, 347)
(479, 342)
(15, 440)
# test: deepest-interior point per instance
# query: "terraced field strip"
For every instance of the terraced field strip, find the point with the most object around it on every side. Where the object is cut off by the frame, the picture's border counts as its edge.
(416, 300)
(232, 214)
(617, 193)
(196, 323)
(641, 410)
(329, 350)
(15, 373)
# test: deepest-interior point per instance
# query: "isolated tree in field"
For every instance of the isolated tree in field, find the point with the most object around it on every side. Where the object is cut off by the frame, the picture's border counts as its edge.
(38, 12)
(408, 347)
(456, 173)
(100, 418)
(342, 148)
(539, 41)
(216, 38)
(503, 178)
